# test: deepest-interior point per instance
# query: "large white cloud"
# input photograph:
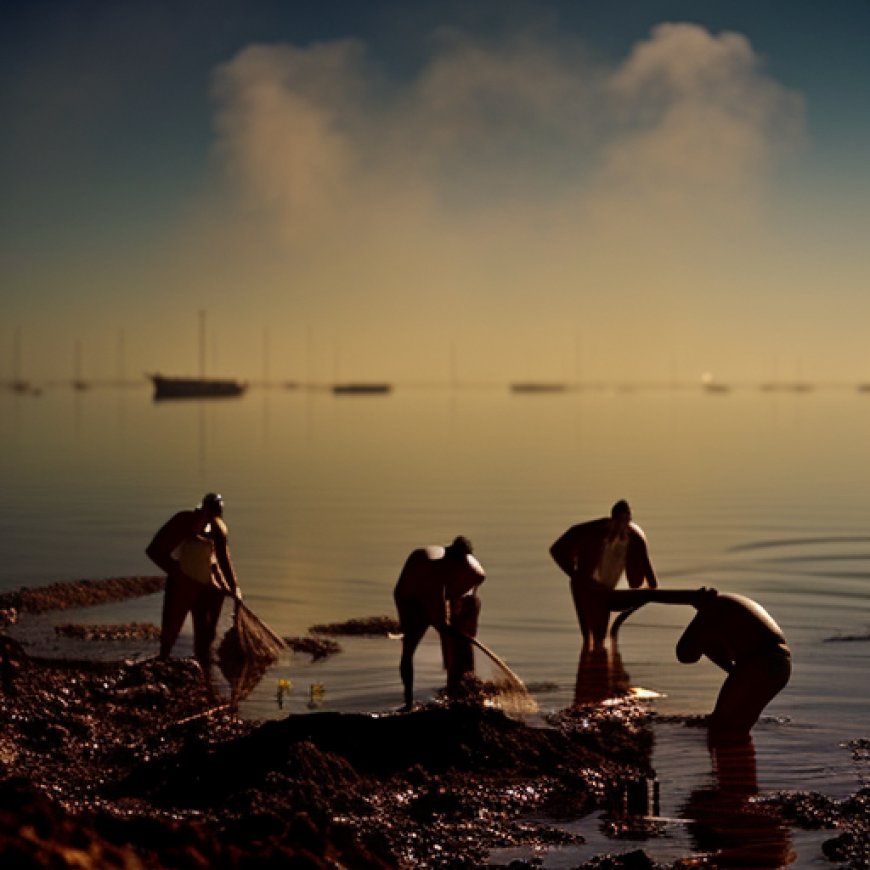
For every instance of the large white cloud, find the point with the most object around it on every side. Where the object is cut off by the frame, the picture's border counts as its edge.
(309, 130)
(517, 181)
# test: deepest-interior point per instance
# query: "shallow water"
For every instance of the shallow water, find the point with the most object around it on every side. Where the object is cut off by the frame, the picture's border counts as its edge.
(757, 493)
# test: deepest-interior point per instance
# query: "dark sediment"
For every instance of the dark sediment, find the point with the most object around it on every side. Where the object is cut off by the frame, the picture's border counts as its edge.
(79, 593)
(126, 764)
(317, 647)
(131, 764)
(370, 626)
(125, 631)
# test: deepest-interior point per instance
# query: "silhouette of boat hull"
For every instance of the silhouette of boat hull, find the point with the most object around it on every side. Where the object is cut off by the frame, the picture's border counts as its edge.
(538, 387)
(361, 389)
(196, 388)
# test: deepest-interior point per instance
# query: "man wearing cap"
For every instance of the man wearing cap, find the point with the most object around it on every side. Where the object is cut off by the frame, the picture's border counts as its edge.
(438, 588)
(192, 549)
(594, 555)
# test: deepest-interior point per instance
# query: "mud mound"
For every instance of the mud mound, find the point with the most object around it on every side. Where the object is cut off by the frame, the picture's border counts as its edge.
(80, 593)
(370, 626)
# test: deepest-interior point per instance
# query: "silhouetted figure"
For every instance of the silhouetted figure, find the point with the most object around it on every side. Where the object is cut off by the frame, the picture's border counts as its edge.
(594, 555)
(430, 592)
(726, 824)
(192, 549)
(741, 637)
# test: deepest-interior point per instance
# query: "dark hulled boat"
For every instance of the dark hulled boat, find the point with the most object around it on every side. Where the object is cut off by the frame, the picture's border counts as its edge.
(196, 388)
(361, 388)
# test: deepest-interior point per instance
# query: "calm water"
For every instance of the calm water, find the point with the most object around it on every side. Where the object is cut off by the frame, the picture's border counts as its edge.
(763, 494)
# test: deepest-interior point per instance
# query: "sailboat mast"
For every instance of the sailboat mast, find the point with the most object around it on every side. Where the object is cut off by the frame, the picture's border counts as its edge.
(202, 343)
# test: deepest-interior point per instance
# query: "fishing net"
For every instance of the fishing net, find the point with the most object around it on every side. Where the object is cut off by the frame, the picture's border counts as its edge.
(512, 696)
(247, 650)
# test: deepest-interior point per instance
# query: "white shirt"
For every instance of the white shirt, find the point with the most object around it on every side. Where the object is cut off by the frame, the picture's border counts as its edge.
(612, 562)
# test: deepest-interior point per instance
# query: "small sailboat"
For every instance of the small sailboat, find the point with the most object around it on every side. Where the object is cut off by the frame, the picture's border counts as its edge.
(361, 388)
(202, 387)
(78, 382)
(166, 387)
(538, 387)
(18, 384)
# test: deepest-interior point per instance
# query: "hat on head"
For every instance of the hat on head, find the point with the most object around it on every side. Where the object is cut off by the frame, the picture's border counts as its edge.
(212, 502)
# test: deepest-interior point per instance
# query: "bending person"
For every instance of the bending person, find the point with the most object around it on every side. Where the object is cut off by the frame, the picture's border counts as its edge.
(430, 592)
(594, 555)
(741, 637)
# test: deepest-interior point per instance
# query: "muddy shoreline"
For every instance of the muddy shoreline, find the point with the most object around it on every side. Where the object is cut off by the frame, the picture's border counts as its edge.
(131, 764)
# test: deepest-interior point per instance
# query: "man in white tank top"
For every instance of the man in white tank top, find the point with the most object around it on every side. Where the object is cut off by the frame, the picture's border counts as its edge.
(594, 555)
(192, 549)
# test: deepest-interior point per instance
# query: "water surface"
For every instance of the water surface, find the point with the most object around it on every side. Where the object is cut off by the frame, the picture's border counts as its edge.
(761, 494)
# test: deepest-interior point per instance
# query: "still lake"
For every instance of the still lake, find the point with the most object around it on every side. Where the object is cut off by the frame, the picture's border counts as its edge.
(764, 494)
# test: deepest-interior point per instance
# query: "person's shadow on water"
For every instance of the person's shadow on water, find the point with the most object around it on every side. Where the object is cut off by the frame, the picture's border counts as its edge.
(724, 822)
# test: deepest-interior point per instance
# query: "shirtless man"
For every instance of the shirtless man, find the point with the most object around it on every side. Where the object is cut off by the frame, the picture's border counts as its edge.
(741, 637)
(191, 547)
(594, 555)
(430, 592)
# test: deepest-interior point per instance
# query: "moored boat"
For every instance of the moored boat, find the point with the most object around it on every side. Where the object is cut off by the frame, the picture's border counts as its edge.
(361, 388)
(195, 388)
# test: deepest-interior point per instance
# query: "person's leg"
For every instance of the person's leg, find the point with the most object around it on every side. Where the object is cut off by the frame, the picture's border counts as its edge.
(178, 599)
(748, 689)
(205, 612)
(578, 595)
(414, 623)
(411, 638)
(596, 600)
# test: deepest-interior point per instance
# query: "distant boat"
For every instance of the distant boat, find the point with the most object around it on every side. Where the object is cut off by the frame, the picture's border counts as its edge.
(787, 387)
(360, 388)
(78, 382)
(716, 388)
(200, 387)
(195, 388)
(23, 388)
(538, 387)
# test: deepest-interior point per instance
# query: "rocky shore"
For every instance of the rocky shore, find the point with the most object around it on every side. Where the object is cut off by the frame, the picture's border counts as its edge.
(131, 765)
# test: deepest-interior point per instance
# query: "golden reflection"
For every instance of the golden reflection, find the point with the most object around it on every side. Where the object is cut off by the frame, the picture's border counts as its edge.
(724, 822)
(601, 676)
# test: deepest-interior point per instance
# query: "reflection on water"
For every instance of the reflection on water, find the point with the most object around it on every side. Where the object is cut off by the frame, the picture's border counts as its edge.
(764, 495)
(726, 825)
(601, 676)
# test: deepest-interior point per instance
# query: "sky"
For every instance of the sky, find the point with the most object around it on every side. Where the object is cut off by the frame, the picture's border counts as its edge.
(419, 191)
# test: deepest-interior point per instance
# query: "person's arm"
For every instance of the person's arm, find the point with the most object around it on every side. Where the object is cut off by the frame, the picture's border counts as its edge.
(168, 537)
(690, 647)
(698, 640)
(639, 568)
(564, 552)
(225, 563)
(651, 579)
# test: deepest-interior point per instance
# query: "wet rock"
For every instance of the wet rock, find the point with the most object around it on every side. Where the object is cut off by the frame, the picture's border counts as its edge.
(126, 631)
(80, 593)
(318, 648)
(637, 860)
